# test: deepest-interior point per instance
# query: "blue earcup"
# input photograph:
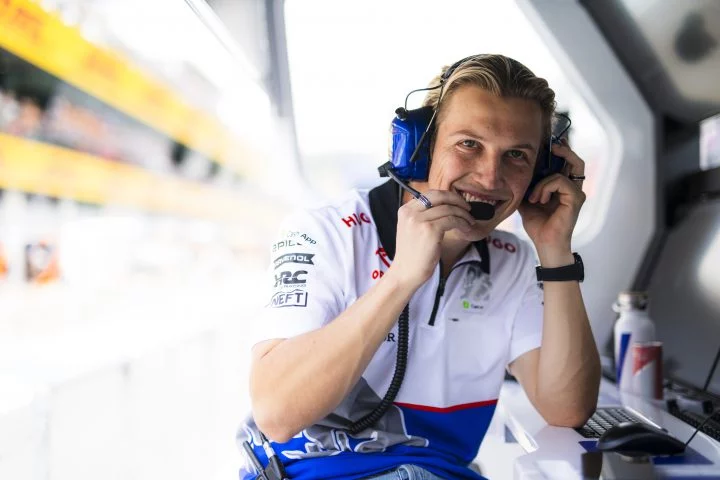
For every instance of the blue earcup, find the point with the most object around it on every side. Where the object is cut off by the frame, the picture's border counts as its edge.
(547, 164)
(407, 131)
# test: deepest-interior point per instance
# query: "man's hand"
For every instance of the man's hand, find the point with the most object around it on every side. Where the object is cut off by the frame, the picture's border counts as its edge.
(420, 232)
(552, 210)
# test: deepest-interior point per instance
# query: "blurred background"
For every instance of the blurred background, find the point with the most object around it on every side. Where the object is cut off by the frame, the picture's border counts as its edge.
(148, 150)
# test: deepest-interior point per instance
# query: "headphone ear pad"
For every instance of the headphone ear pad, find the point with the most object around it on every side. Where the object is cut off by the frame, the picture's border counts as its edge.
(409, 151)
(546, 164)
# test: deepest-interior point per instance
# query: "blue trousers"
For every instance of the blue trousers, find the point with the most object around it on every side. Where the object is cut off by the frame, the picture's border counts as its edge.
(406, 472)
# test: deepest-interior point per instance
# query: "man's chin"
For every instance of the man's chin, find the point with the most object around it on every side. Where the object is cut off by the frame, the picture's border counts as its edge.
(477, 233)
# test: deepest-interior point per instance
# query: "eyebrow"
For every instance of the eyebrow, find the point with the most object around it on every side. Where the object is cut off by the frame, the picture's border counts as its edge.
(470, 133)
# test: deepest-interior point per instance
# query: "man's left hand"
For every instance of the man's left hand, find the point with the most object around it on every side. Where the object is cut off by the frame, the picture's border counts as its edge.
(551, 213)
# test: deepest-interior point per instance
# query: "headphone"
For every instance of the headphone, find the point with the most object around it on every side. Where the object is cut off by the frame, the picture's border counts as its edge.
(412, 130)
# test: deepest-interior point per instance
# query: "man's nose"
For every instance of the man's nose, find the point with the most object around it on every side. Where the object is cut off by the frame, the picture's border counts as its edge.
(491, 171)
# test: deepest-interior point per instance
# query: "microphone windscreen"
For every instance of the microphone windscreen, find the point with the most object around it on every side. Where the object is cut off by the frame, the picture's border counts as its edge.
(482, 210)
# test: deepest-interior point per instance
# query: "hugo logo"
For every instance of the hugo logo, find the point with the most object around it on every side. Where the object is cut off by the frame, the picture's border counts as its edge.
(497, 243)
(356, 219)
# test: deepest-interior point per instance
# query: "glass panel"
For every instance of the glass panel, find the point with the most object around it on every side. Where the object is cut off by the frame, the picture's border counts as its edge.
(710, 143)
(351, 65)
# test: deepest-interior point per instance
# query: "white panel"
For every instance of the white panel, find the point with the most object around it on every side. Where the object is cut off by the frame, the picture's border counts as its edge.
(614, 246)
(23, 442)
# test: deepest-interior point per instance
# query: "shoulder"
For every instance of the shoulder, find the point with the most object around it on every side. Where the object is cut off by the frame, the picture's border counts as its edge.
(324, 226)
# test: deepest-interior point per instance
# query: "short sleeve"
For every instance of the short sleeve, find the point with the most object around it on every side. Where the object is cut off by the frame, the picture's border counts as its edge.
(303, 282)
(528, 322)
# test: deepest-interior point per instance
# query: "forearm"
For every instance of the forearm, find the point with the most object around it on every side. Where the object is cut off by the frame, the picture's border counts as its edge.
(302, 379)
(569, 364)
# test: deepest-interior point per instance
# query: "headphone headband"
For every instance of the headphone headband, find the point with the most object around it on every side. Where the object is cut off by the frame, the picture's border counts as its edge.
(454, 67)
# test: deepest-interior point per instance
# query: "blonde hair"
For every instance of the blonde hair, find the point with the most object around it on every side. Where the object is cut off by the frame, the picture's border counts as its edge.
(499, 75)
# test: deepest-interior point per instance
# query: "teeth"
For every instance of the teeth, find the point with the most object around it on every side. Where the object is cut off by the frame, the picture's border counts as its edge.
(472, 198)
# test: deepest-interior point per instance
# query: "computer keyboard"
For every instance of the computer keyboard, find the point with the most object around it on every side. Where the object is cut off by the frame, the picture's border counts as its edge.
(711, 427)
(603, 419)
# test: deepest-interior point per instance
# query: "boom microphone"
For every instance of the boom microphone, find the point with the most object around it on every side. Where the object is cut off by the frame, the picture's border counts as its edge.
(482, 210)
(478, 210)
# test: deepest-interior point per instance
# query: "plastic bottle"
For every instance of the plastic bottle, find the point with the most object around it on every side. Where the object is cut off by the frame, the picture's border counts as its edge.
(633, 325)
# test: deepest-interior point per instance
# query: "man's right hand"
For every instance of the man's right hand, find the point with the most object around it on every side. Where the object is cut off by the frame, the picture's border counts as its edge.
(420, 233)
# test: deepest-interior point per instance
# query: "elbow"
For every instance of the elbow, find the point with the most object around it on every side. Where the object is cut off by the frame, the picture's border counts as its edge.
(272, 422)
(572, 417)
(271, 410)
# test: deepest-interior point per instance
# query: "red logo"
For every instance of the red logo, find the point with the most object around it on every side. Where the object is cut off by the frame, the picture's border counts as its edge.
(356, 219)
(497, 243)
(380, 252)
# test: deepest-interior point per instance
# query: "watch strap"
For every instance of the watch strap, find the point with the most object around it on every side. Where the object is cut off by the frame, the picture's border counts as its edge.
(574, 272)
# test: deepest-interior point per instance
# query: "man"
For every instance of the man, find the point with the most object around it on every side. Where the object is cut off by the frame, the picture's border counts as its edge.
(343, 274)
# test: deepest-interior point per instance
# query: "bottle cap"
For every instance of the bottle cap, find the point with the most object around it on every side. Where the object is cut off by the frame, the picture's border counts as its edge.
(630, 300)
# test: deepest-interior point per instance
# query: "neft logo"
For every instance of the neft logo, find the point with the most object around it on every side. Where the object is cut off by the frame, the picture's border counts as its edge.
(289, 278)
(304, 258)
(356, 219)
(284, 244)
(296, 298)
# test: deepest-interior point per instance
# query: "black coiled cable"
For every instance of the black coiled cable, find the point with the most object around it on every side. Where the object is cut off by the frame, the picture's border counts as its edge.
(400, 365)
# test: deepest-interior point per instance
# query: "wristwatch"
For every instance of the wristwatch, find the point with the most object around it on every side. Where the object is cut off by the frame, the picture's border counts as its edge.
(567, 273)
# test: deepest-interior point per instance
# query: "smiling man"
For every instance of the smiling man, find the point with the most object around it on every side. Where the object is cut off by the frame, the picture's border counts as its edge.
(325, 379)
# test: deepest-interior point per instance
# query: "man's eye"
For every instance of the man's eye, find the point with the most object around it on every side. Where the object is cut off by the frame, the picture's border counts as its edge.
(469, 143)
(516, 154)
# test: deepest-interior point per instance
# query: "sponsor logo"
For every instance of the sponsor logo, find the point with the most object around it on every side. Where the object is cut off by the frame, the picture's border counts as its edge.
(296, 298)
(289, 278)
(380, 252)
(303, 236)
(468, 305)
(499, 244)
(476, 288)
(356, 219)
(304, 258)
(285, 244)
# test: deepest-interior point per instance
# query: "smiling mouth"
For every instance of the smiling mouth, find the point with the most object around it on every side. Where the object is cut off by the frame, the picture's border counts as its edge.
(471, 197)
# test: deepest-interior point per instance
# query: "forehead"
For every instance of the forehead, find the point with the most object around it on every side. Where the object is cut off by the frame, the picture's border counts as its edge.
(473, 108)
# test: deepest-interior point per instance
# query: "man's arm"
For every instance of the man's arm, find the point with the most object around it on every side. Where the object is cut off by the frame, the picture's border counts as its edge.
(297, 381)
(562, 377)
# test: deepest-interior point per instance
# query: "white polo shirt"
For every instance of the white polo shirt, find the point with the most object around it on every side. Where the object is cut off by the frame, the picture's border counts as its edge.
(464, 331)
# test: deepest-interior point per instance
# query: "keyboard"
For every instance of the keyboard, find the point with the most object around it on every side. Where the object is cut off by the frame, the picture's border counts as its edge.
(603, 419)
(711, 427)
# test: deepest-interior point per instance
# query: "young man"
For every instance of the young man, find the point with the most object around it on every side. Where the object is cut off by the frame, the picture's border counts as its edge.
(343, 274)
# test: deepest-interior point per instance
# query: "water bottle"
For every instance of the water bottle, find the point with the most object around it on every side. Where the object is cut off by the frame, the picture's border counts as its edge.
(633, 325)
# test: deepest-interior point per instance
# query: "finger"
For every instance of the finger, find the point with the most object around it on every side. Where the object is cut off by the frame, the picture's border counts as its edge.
(575, 164)
(442, 197)
(556, 184)
(439, 211)
(447, 223)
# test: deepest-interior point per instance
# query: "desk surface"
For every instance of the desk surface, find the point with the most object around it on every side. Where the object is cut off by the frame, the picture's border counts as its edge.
(555, 452)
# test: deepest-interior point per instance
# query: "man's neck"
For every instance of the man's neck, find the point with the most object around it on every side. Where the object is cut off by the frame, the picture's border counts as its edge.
(453, 249)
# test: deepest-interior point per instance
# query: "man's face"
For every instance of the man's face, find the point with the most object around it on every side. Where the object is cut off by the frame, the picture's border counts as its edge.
(485, 150)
